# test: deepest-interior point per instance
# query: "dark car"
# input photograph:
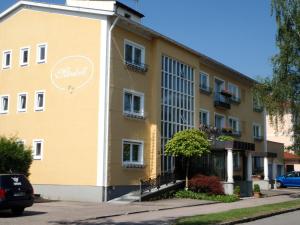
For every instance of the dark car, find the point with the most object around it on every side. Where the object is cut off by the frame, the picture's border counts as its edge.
(291, 179)
(16, 193)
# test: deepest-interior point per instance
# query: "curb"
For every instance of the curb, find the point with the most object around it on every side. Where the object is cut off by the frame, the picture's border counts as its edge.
(245, 220)
(150, 210)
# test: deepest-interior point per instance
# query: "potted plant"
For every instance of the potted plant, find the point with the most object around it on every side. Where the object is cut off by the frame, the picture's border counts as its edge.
(237, 191)
(256, 190)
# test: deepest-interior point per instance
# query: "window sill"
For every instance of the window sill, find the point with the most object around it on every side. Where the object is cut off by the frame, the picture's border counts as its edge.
(143, 68)
(37, 158)
(206, 91)
(133, 166)
(133, 116)
(4, 112)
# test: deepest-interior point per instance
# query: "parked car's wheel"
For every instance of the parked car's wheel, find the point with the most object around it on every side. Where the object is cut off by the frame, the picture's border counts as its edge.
(17, 211)
(279, 184)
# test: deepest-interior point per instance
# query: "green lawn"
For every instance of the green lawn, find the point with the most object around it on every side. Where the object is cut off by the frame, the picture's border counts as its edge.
(236, 214)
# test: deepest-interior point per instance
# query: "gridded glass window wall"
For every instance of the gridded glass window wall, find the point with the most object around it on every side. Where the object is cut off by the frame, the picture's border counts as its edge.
(177, 103)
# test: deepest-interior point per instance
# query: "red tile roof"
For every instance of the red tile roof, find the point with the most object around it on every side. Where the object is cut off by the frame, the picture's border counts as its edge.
(288, 155)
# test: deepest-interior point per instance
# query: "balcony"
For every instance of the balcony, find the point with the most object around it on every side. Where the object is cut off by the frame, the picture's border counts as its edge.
(137, 66)
(258, 138)
(205, 89)
(226, 93)
(235, 100)
(258, 108)
(221, 101)
(231, 132)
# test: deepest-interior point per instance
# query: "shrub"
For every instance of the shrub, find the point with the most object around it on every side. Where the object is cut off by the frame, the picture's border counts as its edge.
(237, 191)
(206, 184)
(204, 196)
(14, 156)
(256, 188)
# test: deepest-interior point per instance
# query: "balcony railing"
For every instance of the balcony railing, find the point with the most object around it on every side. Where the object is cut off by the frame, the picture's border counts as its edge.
(258, 108)
(258, 138)
(231, 132)
(205, 89)
(136, 66)
(222, 101)
(235, 99)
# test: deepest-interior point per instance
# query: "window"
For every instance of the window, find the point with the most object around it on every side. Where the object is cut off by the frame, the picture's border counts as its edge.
(234, 124)
(133, 103)
(257, 105)
(204, 81)
(134, 54)
(39, 101)
(24, 56)
(6, 60)
(22, 102)
(257, 131)
(204, 117)
(219, 121)
(4, 104)
(177, 103)
(132, 152)
(38, 146)
(42, 53)
(236, 160)
(234, 90)
(20, 142)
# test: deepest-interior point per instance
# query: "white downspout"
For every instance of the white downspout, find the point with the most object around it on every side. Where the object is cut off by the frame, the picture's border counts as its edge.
(108, 104)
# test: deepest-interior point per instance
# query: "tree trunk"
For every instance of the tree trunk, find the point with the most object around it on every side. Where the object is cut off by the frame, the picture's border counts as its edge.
(187, 174)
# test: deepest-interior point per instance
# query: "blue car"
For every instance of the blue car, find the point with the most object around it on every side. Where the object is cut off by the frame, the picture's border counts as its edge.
(291, 179)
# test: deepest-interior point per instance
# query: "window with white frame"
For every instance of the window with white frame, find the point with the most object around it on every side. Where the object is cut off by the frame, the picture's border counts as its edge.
(234, 90)
(4, 104)
(204, 81)
(234, 124)
(42, 53)
(38, 145)
(219, 121)
(204, 117)
(22, 102)
(24, 56)
(133, 103)
(134, 54)
(257, 131)
(39, 104)
(132, 152)
(177, 103)
(6, 59)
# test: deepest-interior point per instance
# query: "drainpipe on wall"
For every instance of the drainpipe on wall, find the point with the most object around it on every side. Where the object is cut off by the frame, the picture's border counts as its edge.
(107, 101)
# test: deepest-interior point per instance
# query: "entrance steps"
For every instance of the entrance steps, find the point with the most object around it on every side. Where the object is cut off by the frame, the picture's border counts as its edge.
(135, 196)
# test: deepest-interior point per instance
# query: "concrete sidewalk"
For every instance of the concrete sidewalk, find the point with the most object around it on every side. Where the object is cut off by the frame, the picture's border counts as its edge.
(158, 212)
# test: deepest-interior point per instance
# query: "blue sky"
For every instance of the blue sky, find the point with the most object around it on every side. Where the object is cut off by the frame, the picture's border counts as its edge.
(240, 34)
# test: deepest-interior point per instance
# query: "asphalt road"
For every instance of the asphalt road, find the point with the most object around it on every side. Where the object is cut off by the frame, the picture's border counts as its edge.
(292, 218)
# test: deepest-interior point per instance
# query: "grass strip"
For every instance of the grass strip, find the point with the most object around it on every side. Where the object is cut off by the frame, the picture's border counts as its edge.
(237, 214)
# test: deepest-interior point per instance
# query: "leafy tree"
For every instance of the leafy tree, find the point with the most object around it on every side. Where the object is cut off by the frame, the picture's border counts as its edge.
(188, 143)
(281, 93)
(14, 156)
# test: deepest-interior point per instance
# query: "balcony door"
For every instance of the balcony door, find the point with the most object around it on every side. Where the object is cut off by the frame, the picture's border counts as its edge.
(219, 86)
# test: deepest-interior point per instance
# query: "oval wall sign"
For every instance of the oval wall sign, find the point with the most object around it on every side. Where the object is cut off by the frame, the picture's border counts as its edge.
(72, 72)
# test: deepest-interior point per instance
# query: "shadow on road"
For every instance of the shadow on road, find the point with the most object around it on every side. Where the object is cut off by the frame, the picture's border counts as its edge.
(109, 222)
(8, 214)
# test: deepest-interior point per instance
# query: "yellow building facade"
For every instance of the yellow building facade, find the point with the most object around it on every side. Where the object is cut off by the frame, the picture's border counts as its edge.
(97, 95)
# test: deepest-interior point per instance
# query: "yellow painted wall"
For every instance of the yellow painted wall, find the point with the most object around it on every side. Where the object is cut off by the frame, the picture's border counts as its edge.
(69, 123)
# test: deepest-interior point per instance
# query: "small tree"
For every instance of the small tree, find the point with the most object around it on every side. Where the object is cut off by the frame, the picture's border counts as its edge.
(188, 143)
(14, 156)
